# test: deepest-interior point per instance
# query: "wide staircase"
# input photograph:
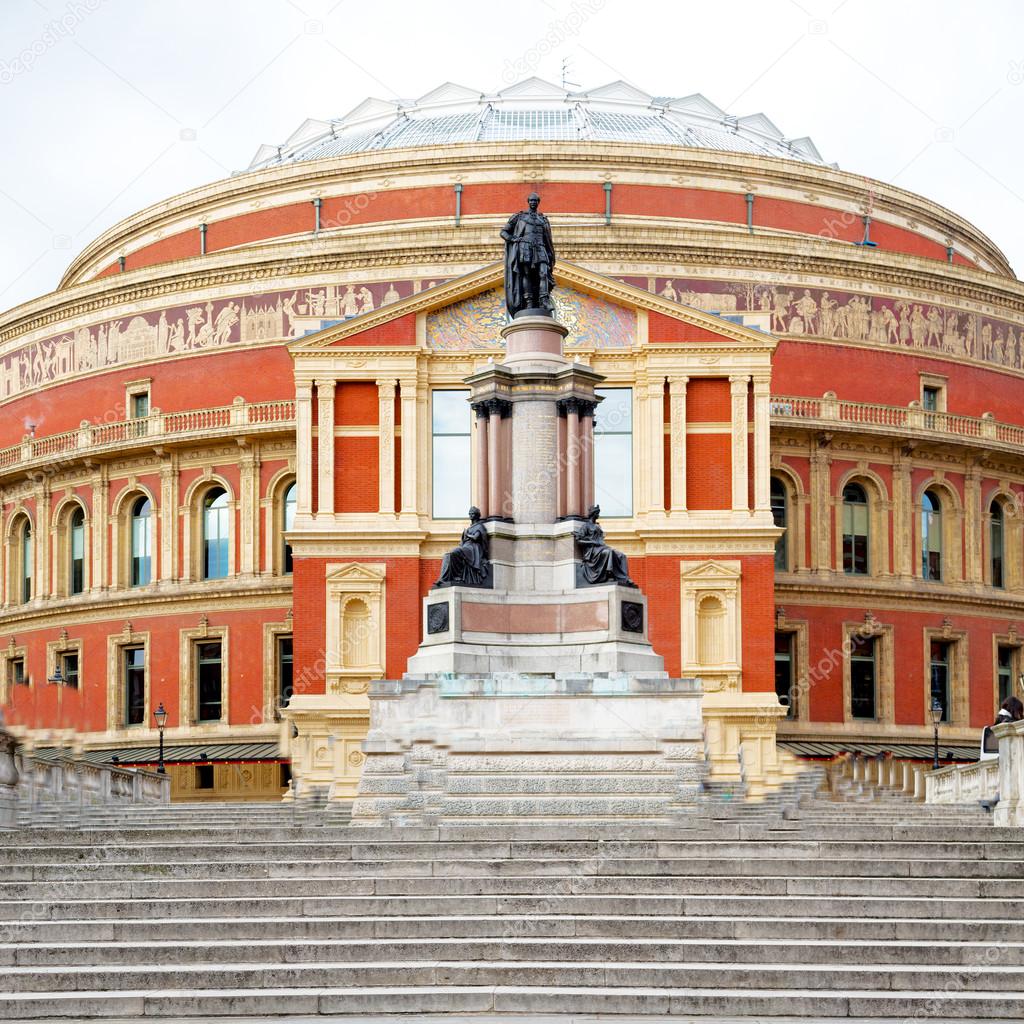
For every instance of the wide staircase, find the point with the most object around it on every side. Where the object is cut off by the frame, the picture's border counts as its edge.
(816, 908)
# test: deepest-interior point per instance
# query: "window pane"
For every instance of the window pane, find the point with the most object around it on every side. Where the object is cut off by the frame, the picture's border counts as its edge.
(215, 535)
(290, 499)
(77, 581)
(26, 563)
(613, 451)
(209, 681)
(778, 499)
(142, 572)
(284, 669)
(940, 675)
(784, 671)
(452, 422)
(862, 678)
(451, 476)
(135, 685)
(69, 669)
(1005, 672)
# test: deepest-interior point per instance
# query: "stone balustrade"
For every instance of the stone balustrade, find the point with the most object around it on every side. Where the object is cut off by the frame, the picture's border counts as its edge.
(963, 783)
(910, 420)
(1010, 809)
(156, 428)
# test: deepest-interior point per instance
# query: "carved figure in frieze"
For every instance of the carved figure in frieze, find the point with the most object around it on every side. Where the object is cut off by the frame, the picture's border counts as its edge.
(391, 295)
(349, 302)
(971, 334)
(468, 565)
(598, 562)
(891, 325)
(781, 301)
(365, 300)
(903, 309)
(934, 328)
(668, 292)
(918, 326)
(828, 316)
(986, 340)
(808, 309)
(226, 319)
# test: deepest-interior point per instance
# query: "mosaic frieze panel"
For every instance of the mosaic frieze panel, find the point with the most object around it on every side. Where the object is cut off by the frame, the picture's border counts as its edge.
(843, 315)
(221, 323)
(475, 323)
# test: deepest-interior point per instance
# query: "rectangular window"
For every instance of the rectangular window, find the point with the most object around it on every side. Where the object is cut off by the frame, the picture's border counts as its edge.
(1006, 671)
(284, 670)
(69, 668)
(451, 422)
(139, 412)
(941, 674)
(209, 681)
(863, 677)
(134, 685)
(16, 672)
(855, 538)
(613, 451)
(204, 776)
(784, 671)
(77, 557)
(141, 554)
(930, 398)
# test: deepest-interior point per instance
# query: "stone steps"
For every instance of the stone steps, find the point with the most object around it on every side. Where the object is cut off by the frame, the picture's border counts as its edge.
(818, 914)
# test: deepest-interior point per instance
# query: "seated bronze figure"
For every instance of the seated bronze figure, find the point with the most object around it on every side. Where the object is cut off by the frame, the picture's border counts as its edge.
(598, 562)
(468, 565)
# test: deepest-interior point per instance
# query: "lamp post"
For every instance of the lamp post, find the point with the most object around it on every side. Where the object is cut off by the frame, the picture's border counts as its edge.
(936, 712)
(161, 721)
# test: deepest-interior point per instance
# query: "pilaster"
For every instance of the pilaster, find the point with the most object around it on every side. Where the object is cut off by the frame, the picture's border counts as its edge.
(169, 498)
(902, 515)
(762, 443)
(409, 391)
(100, 528)
(677, 441)
(656, 445)
(325, 447)
(738, 388)
(973, 571)
(821, 507)
(249, 508)
(304, 447)
(386, 445)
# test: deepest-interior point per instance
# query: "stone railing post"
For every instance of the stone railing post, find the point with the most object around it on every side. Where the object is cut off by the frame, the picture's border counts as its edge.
(8, 779)
(829, 406)
(915, 415)
(238, 411)
(1010, 809)
(988, 424)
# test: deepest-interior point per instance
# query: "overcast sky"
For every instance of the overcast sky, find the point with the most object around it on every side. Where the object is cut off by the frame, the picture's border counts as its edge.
(109, 105)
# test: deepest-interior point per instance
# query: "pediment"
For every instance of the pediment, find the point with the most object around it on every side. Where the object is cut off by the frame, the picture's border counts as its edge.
(709, 570)
(356, 572)
(602, 313)
(533, 88)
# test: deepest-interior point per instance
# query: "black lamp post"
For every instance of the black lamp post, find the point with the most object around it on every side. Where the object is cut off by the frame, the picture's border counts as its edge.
(161, 721)
(936, 712)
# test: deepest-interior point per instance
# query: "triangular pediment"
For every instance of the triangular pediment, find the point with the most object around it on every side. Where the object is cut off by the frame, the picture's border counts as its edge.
(355, 572)
(449, 92)
(534, 88)
(606, 307)
(711, 571)
(621, 91)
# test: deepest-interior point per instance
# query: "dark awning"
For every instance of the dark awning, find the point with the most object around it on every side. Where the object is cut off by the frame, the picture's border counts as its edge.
(902, 751)
(193, 753)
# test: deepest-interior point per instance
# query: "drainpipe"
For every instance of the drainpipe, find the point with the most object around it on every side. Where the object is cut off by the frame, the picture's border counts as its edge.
(750, 212)
(202, 239)
(949, 253)
(458, 203)
(607, 203)
(121, 261)
(317, 206)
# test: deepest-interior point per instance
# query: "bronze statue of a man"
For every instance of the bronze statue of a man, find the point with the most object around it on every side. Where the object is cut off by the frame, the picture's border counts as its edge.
(529, 261)
(468, 565)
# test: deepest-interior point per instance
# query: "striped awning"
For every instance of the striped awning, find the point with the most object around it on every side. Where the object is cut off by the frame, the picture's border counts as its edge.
(194, 753)
(903, 751)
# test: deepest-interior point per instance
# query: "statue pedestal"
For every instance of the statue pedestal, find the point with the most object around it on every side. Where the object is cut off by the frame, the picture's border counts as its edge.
(532, 749)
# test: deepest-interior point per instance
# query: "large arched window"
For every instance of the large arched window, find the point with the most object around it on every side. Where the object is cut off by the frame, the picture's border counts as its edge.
(288, 522)
(76, 551)
(780, 514)
(856, 539)
(215, 534)
(141, 542)
(20, 562)
(996, 544)
(931, 536)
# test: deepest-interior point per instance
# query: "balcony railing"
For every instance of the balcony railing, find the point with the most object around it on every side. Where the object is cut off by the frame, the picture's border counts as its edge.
(156, 428)
(829, 411)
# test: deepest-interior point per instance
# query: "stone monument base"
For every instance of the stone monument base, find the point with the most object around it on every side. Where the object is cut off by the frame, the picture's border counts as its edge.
(531, 749)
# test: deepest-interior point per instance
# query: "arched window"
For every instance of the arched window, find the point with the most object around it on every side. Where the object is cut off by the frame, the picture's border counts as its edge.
(288, 522)
(780, 514)
(141, 542)
(996, 543)
(76, 551)
(215, 534)
(931, 536)
(855, 530)
(20, 561)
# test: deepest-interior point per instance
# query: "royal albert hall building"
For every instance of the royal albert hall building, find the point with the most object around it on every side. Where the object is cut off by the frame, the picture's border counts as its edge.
(236, 441)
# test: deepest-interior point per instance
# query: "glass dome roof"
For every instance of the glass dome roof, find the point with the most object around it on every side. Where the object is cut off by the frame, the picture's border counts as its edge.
(535, 110)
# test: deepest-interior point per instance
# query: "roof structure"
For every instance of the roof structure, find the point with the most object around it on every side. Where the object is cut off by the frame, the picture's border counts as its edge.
(534, 110)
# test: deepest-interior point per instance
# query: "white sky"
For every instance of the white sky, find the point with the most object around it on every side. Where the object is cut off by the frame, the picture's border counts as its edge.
(926, 94)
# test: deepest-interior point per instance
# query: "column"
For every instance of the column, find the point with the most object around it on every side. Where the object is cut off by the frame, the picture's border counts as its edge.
(587, 454)
(386, 446)
(738, 390)
(304, 447)
(100, 528)
(483, 481)
(762, 444)
(495, 478)
(409, 454)
(248, 508)
(572, 458)
(168, 516)
(41, 584)
(677, 441)
(821, 509)
(902, 515)
(325, 448)
(973, 519)
(656, 446)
